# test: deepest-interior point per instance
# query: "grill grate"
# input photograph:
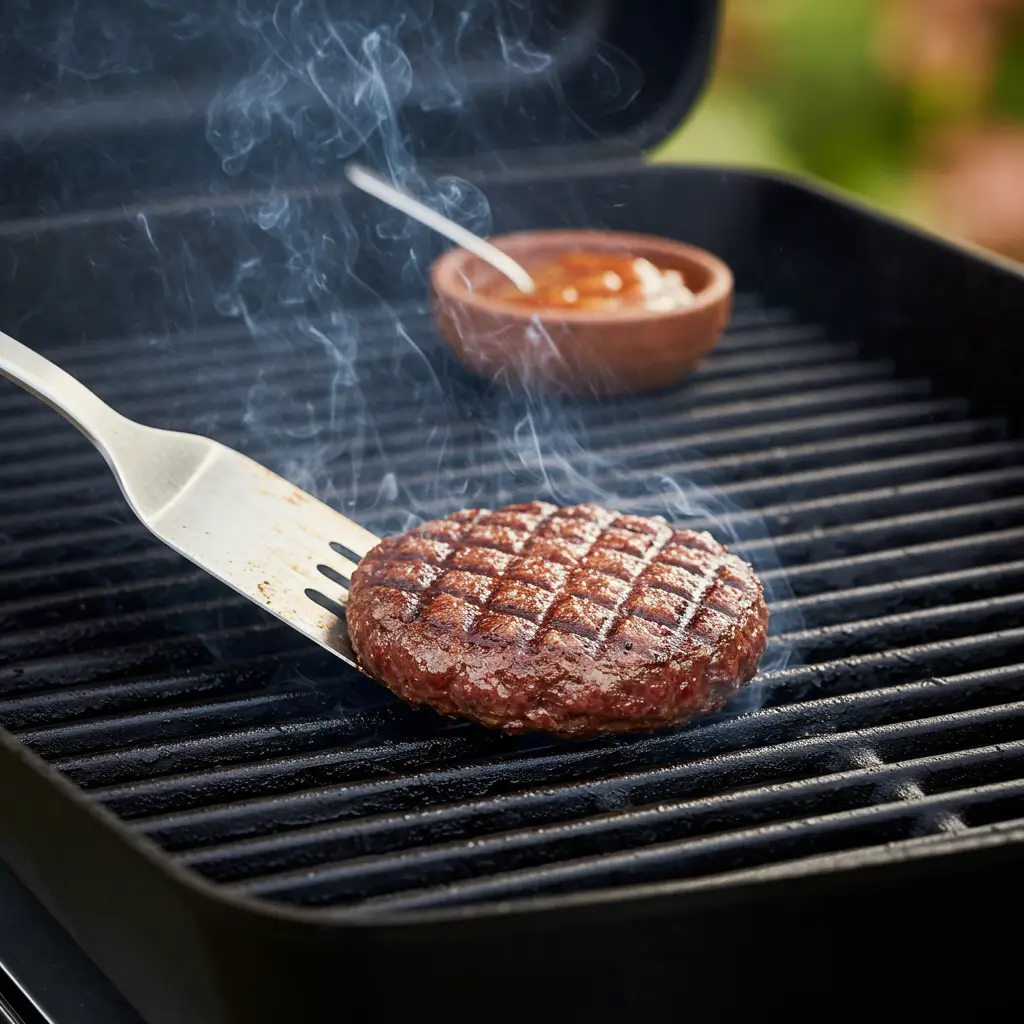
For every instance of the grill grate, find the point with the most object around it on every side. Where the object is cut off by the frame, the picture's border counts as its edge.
(884, 520)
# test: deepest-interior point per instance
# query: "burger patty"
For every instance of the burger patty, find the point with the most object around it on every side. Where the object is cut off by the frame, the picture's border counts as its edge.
(574, 621)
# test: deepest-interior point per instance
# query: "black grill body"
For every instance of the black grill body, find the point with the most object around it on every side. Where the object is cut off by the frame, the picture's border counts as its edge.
(239, 829)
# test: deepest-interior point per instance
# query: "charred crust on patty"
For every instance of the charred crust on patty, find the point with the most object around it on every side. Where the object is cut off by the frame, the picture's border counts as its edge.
(574, 621)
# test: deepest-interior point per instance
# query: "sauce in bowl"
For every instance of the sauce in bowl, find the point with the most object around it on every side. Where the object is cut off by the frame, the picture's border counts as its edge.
(613, 313)
(600, 282)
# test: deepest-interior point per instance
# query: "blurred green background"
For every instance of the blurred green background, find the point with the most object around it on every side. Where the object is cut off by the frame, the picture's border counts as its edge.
(917, 105)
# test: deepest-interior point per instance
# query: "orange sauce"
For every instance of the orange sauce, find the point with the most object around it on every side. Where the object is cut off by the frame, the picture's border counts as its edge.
(600, 282)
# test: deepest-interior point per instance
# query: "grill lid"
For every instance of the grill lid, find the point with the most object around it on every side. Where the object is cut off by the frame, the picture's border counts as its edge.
(125, 97)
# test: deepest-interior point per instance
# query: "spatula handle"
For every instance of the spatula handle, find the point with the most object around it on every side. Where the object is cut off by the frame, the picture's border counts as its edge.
(57, 388)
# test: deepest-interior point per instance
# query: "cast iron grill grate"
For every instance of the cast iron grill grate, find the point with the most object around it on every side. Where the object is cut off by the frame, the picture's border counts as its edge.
(894, 515)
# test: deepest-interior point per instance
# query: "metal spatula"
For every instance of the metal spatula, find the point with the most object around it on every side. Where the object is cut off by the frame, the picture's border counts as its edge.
(234, 518)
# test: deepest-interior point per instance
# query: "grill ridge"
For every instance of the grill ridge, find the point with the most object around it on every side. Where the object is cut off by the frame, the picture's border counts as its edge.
(732, 753)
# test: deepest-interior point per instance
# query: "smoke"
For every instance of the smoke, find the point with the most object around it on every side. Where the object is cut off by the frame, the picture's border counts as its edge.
(352, 396)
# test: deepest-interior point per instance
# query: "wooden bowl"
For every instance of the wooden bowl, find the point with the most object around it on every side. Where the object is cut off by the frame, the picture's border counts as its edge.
(579, 351)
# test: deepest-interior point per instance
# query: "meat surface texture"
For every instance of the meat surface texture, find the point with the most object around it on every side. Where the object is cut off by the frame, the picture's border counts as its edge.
(573, 621)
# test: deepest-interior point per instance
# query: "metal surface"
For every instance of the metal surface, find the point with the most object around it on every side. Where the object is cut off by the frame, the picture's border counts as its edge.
(8, 1015)
(45, 978)
(380, 189)
(243, 524)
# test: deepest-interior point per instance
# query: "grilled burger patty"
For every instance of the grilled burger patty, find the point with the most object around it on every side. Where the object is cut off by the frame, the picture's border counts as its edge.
(574, 621)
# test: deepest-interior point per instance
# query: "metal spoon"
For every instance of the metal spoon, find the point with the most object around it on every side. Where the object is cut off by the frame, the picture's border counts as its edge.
(400, 200)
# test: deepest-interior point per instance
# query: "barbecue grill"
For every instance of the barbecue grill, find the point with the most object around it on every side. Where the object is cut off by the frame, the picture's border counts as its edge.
(235, 827)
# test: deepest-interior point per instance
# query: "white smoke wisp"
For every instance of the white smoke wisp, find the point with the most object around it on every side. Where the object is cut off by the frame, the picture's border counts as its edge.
(517, 443)
(319, 90)
(352, 397)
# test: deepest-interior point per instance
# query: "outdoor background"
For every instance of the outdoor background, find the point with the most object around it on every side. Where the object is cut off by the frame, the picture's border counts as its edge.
(917, 105)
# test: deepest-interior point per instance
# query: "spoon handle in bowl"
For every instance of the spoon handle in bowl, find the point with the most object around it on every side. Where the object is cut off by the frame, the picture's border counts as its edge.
(380, 189)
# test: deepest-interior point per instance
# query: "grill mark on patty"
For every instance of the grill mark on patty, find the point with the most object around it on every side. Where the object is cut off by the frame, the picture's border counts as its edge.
(576, 621)
(576, 611)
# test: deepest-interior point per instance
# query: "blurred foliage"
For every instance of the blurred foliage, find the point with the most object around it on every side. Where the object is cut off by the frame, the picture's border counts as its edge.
(917, 105)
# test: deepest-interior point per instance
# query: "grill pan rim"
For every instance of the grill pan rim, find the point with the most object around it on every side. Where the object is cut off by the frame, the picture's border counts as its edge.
(118, 854)
(852, 860)
(603, 896)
